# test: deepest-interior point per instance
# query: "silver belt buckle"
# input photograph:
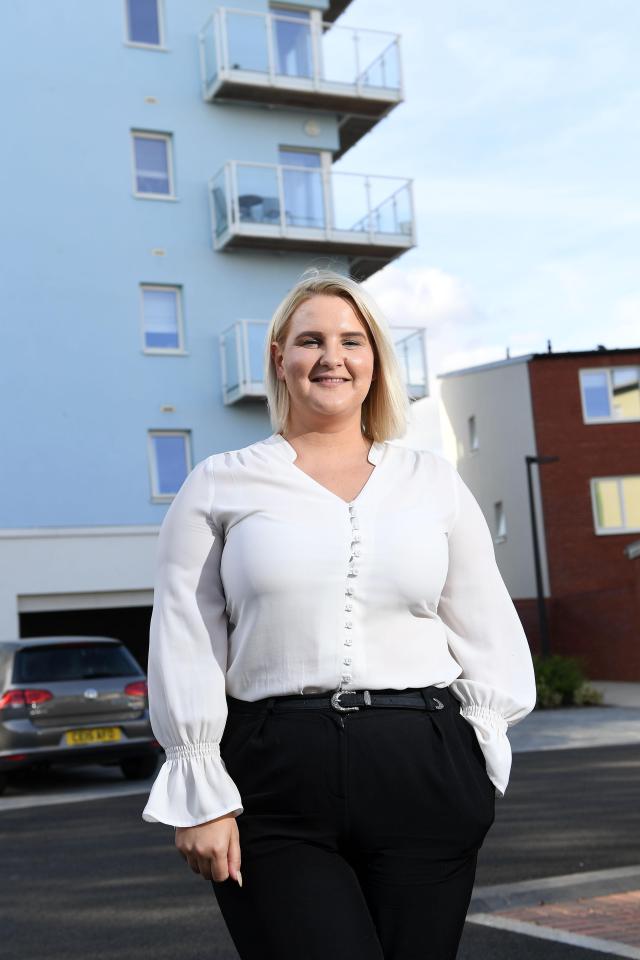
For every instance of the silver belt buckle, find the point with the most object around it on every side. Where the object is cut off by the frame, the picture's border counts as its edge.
(335, 700)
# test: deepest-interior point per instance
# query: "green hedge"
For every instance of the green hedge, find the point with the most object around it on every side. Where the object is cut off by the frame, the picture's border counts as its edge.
(561, 682)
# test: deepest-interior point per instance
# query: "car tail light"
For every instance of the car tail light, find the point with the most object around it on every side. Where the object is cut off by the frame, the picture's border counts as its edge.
(22, 698)
(136, 689)
(37, 696)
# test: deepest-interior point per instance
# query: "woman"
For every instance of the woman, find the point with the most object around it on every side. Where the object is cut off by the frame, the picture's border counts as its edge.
(334, 660)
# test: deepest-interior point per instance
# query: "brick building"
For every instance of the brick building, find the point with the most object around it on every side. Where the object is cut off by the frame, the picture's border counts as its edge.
(584, 408)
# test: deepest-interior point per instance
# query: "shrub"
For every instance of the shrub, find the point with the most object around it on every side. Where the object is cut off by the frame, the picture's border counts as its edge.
(560, 679)
(586, 694)
(546, 697)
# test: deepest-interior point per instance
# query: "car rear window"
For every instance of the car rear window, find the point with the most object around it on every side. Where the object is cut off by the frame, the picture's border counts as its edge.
(73, 662)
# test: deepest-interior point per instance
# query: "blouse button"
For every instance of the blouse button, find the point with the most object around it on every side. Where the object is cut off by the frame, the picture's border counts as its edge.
(348, 624)
(348, 642)
(348, 590)
(356, 553)
(348, 607)
(355, 538)
(347, 660)
(354, 523)
(346, 677)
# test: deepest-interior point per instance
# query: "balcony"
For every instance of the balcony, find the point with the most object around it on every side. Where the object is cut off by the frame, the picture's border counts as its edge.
(242, 357)
(368, 219)
(293, 60)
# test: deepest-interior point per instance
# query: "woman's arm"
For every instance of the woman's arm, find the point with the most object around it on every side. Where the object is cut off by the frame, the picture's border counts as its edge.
(187, 662)
(485, 635)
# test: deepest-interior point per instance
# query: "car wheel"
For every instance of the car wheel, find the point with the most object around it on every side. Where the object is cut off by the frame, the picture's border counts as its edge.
(139, 768)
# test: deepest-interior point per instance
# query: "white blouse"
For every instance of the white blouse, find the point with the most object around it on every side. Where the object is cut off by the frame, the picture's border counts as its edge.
(267, 583)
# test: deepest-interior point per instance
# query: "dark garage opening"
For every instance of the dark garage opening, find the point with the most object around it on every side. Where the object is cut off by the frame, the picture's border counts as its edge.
(128, 624)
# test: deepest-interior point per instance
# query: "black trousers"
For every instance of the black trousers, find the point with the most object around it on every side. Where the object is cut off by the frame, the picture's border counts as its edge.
(360, 831)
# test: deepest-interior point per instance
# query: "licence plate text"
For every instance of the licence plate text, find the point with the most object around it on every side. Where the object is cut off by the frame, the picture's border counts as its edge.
(95, 735)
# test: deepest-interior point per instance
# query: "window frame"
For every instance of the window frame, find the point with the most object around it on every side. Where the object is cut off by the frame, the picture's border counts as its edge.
(472, 434)
(161, 45)
(500, 521)
(180, 350)
(156, 496)
(611, 531)
(153, 135)
(606, 370)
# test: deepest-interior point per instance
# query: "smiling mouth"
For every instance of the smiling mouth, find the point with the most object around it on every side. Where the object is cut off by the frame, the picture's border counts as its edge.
(330, 379)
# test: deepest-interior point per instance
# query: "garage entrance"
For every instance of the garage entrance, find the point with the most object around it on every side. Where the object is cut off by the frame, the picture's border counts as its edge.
(128, 624)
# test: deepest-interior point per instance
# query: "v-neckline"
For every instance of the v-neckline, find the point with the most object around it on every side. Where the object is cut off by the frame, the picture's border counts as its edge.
(375, 454)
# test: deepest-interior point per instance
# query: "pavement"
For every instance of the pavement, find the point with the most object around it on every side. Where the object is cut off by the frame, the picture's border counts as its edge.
(598, 910)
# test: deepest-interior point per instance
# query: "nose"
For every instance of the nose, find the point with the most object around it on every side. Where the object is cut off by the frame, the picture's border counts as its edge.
(331, 355)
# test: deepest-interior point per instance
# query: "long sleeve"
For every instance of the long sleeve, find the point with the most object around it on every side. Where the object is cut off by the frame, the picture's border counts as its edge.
(497, 685)
(187, 662)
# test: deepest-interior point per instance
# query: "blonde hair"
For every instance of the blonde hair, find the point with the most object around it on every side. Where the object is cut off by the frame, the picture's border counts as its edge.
(385, 408)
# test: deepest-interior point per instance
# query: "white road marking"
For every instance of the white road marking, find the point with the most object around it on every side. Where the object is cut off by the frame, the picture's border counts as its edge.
(552, 933)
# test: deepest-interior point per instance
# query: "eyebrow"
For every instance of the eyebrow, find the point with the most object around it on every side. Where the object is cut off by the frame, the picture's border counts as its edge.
(318, 333)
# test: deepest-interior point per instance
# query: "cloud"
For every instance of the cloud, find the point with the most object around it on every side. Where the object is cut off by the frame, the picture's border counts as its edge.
(432, 298)
(424, 297)
(624, 328)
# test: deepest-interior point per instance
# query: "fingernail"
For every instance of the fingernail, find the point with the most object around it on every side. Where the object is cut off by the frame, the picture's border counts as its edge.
(239, 879)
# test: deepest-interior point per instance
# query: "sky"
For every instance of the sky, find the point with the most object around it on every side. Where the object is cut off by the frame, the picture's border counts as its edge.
(521, 132)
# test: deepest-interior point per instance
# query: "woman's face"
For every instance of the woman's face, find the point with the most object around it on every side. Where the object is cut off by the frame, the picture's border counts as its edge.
(326, 338)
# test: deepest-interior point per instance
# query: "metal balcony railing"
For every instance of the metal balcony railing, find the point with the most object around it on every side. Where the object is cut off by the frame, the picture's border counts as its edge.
(242, 357)
(293, 59)
(283, 49)
(314, 204)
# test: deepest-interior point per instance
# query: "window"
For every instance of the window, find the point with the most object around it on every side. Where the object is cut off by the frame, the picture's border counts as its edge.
(63, 662)
(616, 504)
(500, 521)
(170, 461)
(144, 22)
(473, 434)
(292, 41)
(152, 162)
(162, 318)
(610, 393)
(303, 187)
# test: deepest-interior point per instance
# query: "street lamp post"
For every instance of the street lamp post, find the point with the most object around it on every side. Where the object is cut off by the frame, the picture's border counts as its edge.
(542, 609)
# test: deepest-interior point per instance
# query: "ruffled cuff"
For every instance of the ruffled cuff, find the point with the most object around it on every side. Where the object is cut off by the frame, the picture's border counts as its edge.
(192, 787)
(484, 709)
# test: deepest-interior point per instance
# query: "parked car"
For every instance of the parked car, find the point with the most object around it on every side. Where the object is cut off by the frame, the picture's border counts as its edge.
(74, 700)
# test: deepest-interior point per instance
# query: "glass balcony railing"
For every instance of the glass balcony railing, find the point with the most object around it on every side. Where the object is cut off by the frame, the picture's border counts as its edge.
(297, 201)
(242, 358)
(241, 353)
(292, 47)
(411, 350)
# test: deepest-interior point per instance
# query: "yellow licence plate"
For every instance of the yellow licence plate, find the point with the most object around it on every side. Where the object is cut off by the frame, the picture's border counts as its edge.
(95, 735)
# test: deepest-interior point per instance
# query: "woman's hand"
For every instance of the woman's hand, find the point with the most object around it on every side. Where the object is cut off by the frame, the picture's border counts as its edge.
(212, 849)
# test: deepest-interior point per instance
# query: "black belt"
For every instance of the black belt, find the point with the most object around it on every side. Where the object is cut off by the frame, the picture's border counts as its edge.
(343, 701)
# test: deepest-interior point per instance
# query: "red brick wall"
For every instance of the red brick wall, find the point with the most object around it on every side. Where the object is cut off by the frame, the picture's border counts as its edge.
(594, 610)
(528, 612)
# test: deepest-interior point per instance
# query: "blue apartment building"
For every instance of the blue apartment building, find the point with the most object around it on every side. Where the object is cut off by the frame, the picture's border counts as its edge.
(170, 170)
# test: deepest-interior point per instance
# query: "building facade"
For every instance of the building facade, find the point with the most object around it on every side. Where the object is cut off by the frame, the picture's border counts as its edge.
(582, 407)
(172, 171)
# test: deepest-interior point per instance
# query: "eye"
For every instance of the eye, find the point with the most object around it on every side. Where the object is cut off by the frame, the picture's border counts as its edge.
(355, 343)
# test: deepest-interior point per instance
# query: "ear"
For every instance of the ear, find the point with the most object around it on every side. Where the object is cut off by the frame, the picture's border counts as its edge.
(274, 357)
